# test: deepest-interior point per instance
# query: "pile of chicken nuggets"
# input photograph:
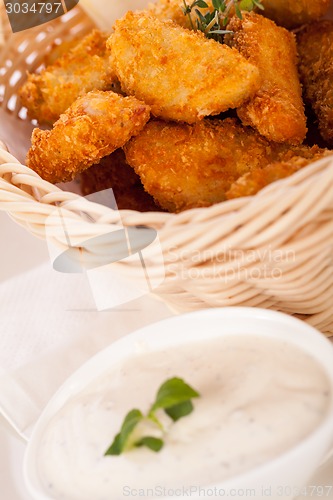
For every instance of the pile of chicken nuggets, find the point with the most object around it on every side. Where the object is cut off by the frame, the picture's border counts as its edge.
(174, 120)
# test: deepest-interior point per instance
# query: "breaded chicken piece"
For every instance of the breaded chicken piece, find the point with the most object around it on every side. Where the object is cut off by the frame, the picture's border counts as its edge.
(252, 182)
(94, 126)
(181, 74)
(84, 67)
(58, 50)
(185, 166)
(172, 10)
(315, 46)
(277, 110)
(113, 172)
(293, 13)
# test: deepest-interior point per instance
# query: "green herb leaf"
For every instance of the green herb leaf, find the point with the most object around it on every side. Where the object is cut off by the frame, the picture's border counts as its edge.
(201, 4)
(178, 411)
(201, 17)
(238, 12)
(174, 397)
(218, 5)
(130, 422)
(154, 444)
(220, 32)
(173, 392)
(258, 4)
(246, 5)
(211, 22)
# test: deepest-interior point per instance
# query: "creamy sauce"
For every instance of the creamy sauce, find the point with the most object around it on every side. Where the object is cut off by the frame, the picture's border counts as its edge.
(259, 397)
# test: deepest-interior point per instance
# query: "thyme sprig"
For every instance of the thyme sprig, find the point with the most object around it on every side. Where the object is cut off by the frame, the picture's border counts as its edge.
(211, 22)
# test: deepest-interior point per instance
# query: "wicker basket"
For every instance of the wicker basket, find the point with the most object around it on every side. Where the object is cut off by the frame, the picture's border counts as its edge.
(273, 250)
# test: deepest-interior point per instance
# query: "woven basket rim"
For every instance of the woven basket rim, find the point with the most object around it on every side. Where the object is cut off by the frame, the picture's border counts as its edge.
(293, 212)
(37, 183)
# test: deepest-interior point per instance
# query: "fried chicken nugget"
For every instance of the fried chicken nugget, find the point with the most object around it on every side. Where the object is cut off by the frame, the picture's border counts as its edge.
(185, 166)
(84, 67)
(291, 13)
(113, 172)
(252, 182)
(94, 126)
(315, 46)
(277, 110)
(172, 9)
(181, 74)
(58, 50)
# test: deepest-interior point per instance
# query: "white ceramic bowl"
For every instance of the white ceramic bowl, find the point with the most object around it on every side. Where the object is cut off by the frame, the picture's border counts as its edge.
(282, 477)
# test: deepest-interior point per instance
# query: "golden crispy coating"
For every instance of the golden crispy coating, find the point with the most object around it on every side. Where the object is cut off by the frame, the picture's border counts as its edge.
(315, 46)
(113, 172)
(185, 166)
(277, 110)
(84, 67)
(252, 182)
(181, 74)
(172, 9)
(293, 13)
(58, 50)
(93, 127)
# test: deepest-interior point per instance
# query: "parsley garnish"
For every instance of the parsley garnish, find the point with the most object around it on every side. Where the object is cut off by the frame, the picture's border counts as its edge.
(174, 397)
(211, 22)
(130, 422)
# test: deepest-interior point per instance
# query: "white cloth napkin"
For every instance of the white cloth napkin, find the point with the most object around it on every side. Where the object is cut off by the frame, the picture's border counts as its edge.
(49, 326)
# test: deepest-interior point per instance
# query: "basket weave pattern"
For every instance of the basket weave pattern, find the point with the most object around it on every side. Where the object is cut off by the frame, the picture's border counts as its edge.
(274, 250)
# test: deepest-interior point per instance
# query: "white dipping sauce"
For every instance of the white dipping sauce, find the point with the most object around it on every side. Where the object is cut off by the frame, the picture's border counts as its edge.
(259, 397)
